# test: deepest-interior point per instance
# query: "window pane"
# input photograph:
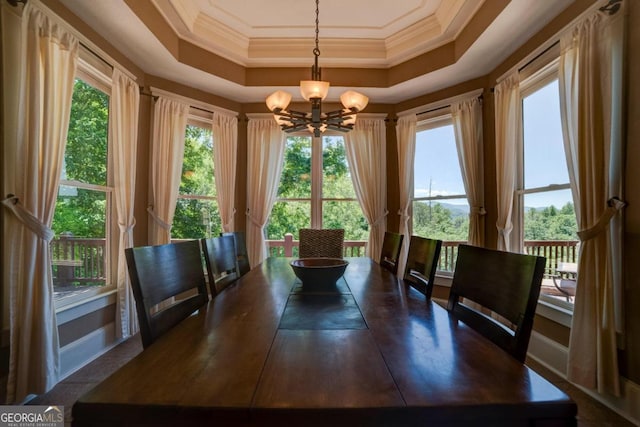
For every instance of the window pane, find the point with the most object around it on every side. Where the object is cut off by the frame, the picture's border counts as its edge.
(296, 173)
(197, 165)
(436, 166)
(442, 220)
(348, 215)
(336, 178)
(549, 216)
(288, 217)
(195, 219)
(437, 173)
(78, 251)
(544, 159)
(85, 157)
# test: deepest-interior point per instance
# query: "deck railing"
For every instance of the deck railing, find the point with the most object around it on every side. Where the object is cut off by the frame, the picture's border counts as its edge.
(289, 247)
(81, 261)
(78, 261)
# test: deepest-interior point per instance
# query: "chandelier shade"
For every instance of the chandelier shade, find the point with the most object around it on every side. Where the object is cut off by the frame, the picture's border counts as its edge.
(278, 100)
(315, 91)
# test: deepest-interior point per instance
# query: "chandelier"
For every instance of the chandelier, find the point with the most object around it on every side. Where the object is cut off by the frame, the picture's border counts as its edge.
(314, 91)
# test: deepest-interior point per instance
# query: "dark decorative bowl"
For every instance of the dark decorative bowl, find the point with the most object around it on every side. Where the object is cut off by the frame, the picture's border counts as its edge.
(319, 273)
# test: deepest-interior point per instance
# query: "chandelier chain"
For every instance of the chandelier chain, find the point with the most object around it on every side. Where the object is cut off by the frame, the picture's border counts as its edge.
(316, 51)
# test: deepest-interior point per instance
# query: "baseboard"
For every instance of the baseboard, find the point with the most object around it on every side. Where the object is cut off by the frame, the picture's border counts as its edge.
(86, 349)
(553, 356)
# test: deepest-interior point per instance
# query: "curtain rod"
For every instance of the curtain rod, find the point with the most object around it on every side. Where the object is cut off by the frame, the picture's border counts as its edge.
(91, 51)
(547, 49)
(440, 108)
(155, 98)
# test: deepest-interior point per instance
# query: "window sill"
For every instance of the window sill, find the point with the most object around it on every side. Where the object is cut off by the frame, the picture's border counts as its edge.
(85, 306)
(554, 312)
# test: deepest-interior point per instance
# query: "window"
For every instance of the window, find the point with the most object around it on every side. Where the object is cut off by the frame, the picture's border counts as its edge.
(440, 207)
(196, 215)
(316, 190)
(82, 220)
(544, 214)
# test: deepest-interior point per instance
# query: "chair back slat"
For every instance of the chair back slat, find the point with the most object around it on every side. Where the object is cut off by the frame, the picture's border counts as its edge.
(241, 251)
(391, 246)
(504, 284)
(318, 243)
(221, 261)
(422, 263)
(168, 284)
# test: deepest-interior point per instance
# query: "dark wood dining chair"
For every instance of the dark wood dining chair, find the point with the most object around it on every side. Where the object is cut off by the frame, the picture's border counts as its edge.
(221, 261)
(391, 246)
(321, 243)
(502, 283)
(241, 251)
(168, 284)
(422, 262)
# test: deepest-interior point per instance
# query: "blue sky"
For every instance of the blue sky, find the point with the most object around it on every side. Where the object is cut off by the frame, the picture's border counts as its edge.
(437, 169)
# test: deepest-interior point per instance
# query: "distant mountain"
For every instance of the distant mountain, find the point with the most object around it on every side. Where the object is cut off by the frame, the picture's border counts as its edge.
(456, 210)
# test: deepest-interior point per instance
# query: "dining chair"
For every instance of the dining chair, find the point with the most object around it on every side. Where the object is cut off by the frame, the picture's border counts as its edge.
(321, 243)
(391, 246)
(221, 261)
(241, 251)
(500, 291)
(422, 262)
(168, 284)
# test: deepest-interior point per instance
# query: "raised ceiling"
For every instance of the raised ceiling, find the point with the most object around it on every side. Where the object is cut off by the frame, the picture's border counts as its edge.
(245, 49)
(366, 33)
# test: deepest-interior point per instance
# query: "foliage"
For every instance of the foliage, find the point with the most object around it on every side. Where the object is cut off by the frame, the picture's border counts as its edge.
(435, 221)
(288, 216)
(82, 212)
(551, 223)
(197, 218)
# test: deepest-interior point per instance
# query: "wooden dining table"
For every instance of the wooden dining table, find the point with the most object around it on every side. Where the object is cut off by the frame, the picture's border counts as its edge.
(368, 352)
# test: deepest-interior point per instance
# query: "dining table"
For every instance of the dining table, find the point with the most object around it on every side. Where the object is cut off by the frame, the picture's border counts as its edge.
(367, 351)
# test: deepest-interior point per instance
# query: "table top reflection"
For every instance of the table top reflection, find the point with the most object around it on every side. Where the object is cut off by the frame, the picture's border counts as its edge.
(372, 352)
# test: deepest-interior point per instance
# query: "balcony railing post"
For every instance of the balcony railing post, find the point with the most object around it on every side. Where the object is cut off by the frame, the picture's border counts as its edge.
(288, 245)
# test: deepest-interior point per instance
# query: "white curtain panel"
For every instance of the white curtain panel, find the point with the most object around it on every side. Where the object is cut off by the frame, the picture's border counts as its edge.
(44, 76)
(366, 147)
(123, 129)
(467, 125)
(586, 82)
(406, 137)
(169, 128)
(508, 116)
(265, 160)
(225, 146)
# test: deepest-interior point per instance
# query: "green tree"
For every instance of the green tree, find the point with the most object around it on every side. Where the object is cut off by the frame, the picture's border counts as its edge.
(289, 216)
(435, 221)
(551, 223)
(197, 218)
(82, 212)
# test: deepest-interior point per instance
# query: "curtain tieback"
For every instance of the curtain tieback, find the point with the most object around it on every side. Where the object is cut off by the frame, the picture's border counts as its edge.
(127, 228)
(227, 221)
(380, 219)
(158, 220)
(614, 204)
(253, 220)
(24, 216)
(505, 231)
(478, 210)
(404, 214)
